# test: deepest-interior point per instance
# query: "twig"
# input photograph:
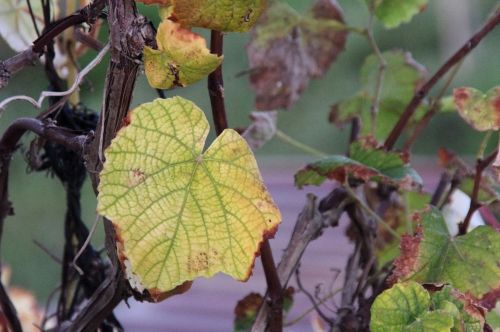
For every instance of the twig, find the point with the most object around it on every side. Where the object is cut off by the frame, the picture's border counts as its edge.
(274, 288)
(308, 227)
(299, 145)
(311, 309)
(424, 90)
(10, 66)
(433, 109)
(311, 298)
(481, 165)
(374, 108)
(73, 88)
(84, 246)
(9, 311)
(47, 251)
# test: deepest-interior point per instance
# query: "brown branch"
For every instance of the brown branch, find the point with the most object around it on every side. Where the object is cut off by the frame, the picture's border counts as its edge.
(216, 85)
(449, 64)
(308, 227)
(481, 165)
(216, 92)
(9, 143)
(14, 64)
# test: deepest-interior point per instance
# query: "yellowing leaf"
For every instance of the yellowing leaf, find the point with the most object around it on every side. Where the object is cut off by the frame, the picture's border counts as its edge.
(221, 15)
(181, 213)
(481, 111)
(182, 57)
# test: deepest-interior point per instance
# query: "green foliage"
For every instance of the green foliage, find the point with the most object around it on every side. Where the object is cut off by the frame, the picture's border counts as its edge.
(365, 162)
(402, 76)
(432, 255)
(406, 307)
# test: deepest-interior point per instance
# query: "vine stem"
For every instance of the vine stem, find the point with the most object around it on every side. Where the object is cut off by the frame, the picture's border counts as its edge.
(433, 109)
(299, 145)
(424, 90)
(481, 165)
(380, 76)
(216, 92)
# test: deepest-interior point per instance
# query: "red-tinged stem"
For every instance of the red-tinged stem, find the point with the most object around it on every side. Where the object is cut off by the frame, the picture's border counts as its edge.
(274, 289)
(424, 90)
(481, 165)
(216, 92)
(216, 85)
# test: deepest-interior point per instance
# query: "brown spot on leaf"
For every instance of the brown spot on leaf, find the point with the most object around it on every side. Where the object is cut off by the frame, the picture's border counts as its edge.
(461, 96)
(136, 177)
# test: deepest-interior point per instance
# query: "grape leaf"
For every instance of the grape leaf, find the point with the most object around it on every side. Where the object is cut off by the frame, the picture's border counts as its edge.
(403, 76)
(365, 163)
(405, 307)
(393, 13)
(481, 111)
(287, 49)
(467, 315)
(182, 57)
(432, 255)
(181, 213)
(220, 15)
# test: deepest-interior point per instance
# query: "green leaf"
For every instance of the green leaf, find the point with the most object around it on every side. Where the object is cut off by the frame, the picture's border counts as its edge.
(287, 49)
(182, 57)
(181, 213)
(432, 255)
(405, 307)
(365, 163)
(481, 111)
(393, 13)
(467, 316)
(403, 76)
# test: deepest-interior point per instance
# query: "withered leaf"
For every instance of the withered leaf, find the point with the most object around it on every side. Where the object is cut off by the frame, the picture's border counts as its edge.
(287, 49)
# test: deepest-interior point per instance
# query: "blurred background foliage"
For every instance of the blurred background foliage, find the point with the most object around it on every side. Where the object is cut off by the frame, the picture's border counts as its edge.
(431, 37)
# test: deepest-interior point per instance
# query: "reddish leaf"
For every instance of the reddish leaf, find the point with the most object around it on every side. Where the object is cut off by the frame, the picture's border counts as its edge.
(287, 50)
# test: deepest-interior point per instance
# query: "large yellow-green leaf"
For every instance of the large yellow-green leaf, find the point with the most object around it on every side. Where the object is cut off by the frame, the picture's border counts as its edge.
(432, 255)
(406, 307)
(182, 57)
(481, 111)
(179, 212)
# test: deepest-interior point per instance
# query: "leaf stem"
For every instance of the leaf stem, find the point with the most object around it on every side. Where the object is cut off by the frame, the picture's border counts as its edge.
(484, 144)
(481, 165)
(424, 90)
(299, 145)
(374, 109)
